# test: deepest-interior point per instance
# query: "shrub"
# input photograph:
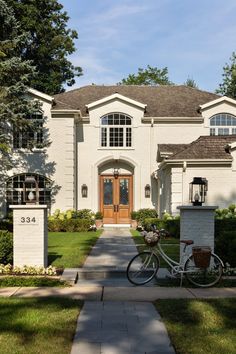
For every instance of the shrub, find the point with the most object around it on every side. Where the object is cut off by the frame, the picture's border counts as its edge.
(98, 215)
(6, 247)
(133, 215)
(225, 247)
(172, 226)
(6, 224)
(72, 225)
(145, 213)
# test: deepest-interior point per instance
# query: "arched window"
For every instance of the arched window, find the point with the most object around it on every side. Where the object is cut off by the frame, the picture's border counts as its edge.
(32, 136)
(223, 124)
(116, 130)
(19, 186)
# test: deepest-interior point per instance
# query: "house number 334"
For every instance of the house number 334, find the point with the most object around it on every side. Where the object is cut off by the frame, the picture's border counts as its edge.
(27, 220)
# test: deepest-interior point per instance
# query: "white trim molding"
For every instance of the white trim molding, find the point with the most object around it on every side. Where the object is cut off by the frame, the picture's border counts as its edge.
(218, 101)
(115, 96)
(40, 95)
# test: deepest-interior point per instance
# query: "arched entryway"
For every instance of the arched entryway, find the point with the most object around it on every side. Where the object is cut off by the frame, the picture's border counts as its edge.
(116, 191)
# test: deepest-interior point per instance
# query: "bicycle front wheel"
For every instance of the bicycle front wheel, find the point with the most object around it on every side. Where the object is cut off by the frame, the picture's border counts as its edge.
(204, 277)
(142, 268)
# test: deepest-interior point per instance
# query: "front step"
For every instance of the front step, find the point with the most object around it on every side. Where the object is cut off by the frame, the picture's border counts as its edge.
(91, 274)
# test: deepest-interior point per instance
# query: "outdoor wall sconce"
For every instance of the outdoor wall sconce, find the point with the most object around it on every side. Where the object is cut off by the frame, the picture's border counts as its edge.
(198, 190)
(147, 191)
(30, 191)
(84, 191)
(116, 173)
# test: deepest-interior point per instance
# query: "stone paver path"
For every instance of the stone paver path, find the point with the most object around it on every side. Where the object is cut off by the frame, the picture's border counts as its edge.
(120, 328)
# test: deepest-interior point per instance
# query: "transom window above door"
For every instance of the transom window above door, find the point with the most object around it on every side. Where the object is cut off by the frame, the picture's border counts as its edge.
(116, 130)
(223, 124)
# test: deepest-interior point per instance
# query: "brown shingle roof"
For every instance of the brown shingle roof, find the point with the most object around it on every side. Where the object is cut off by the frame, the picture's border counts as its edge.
(205, 147)
(162, 101)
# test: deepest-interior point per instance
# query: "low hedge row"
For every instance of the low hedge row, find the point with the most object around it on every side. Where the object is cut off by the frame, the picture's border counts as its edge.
(172, 225)
(225, 247)
(6, 247)
(71, 225)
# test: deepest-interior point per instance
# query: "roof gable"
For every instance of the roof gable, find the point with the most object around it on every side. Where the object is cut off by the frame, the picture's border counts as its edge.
(218, 101)
(113, 97)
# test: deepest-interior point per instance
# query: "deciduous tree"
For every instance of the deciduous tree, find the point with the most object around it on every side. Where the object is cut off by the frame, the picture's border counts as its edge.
(49, 44)
(228, 86)
(150, 76)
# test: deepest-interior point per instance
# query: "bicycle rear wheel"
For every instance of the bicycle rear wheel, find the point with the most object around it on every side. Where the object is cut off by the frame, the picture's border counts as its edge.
(142, 268)
(204, 277)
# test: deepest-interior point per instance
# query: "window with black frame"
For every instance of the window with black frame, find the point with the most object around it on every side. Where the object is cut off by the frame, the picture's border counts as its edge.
(26, 188)
(30, 137)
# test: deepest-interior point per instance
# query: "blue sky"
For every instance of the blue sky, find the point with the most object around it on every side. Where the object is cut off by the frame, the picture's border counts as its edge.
(193, 38)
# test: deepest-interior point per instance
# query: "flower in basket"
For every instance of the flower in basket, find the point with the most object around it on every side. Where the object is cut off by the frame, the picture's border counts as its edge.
(151, 238)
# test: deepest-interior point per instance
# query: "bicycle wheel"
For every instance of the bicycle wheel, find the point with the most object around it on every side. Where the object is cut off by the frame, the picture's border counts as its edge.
(142, 268)
(204, 277)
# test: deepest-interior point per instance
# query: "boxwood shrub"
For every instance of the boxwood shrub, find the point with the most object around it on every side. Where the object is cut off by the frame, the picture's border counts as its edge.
(71, 225)
(225, 247)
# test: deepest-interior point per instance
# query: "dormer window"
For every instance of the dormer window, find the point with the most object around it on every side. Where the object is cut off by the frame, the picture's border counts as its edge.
(116, 130)
(223, 124)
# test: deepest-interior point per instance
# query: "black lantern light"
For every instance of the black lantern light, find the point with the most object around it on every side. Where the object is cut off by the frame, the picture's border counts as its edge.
(147, 191)
(30, 190)
(116, 173)
(197, 190)
(84, 191)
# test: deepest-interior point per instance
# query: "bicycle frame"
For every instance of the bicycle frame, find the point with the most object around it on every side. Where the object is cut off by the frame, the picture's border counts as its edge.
(176, 267)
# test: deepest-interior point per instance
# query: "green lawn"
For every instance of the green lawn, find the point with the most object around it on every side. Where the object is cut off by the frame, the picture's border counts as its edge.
(200, 326)
(37, 326)
(170, 246)
(70, 249)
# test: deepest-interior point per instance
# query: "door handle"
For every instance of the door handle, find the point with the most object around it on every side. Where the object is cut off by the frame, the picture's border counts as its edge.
(116, 208)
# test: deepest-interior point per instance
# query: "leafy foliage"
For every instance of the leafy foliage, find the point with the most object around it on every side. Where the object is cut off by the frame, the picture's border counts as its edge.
(48, 44)
(150, 76)
(15, 76)
(145, 213)
(191, 83)
(228, 86)
(6, 247)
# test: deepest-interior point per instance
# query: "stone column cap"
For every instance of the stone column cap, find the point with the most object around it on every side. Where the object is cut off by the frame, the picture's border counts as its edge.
(28, 206)
(197, 207)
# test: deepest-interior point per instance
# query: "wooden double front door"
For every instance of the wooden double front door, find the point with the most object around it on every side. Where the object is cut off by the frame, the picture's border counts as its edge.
(116, 199)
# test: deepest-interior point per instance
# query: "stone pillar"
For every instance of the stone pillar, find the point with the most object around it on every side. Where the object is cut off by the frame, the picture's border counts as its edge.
(30, 235)
(197, 223)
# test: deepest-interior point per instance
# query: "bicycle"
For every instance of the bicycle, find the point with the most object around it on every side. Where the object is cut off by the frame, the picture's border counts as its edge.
(143, 267)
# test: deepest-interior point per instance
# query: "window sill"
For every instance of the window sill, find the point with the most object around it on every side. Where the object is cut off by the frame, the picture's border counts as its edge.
(28, 151)
(116, 148)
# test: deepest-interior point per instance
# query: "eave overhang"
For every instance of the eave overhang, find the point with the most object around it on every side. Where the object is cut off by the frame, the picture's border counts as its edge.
(191, 162)
(40, 95)
(193, 120)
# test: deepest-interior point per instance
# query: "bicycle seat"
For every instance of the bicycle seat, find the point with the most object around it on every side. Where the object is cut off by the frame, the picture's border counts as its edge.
(187, 242)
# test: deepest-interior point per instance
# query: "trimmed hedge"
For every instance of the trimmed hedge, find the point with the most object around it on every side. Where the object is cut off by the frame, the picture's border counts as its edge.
(172, 225)
(71, 225)
(6, 247)
(225, 247)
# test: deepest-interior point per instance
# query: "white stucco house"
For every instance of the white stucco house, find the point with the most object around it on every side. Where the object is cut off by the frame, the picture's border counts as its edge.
(116, 149)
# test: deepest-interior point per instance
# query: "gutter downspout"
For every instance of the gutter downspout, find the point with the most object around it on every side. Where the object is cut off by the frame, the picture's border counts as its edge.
(78, 117)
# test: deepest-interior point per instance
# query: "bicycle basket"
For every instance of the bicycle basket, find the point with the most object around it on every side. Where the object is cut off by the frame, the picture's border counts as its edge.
(152, 238)
(201, 256)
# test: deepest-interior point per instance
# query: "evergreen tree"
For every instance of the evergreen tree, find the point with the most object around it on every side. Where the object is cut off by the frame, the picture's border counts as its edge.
(228, 87)
(15, 74)
(150, 76)
(49, 44)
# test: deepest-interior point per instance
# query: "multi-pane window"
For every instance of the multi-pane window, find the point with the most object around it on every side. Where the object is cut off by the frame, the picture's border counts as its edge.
(116, 130)
(31, 136)
(223, 124)
(18, 187)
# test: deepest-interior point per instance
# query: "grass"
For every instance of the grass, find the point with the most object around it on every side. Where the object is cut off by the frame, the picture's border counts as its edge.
(30, 281)
(200, 326)
(70, 249)
(170, 246)
(37, 326)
